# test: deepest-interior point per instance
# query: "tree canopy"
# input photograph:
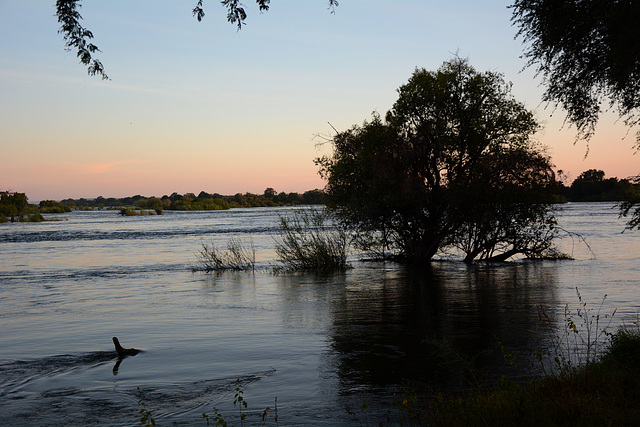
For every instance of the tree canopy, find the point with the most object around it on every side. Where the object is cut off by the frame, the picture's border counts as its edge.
(588, 53)
(15, 205)
(591, 186)
(452, 166)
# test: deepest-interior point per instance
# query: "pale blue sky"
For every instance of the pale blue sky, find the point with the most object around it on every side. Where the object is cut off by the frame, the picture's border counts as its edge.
(200, 106)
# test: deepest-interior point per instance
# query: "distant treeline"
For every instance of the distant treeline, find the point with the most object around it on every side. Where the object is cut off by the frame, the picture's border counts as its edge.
(591, 186)
(203, 201)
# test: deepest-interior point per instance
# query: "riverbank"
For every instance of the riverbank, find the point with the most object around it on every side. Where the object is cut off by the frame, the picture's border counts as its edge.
(602, 392)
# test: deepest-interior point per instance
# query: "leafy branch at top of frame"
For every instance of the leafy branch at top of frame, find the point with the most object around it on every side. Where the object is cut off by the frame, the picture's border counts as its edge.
(79, 38)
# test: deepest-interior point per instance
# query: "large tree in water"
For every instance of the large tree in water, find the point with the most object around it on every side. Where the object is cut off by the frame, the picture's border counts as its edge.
(452, 166)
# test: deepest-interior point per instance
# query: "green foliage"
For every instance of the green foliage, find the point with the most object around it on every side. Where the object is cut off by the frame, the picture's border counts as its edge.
(204, 201)
(14, 205)
(588, 53)
(311, 240)
(146, 417)
(153, 203)
(452, 166)
(52, 206)
(631, 205)
(239, 401)
(8, 212)
(236, 13)
(218, 420)
(32, 217)
(138, 212)
(236, 257)
(187, 203)
(77, 37)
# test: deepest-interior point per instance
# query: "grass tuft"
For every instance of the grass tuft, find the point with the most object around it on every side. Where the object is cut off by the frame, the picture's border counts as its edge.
(236, 257)
(311, 241)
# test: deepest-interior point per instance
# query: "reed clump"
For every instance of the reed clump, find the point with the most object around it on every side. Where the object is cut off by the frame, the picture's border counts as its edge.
(310, 240)
(236, 257)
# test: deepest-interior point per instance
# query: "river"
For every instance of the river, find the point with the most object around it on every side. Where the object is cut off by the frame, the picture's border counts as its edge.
(320, 345)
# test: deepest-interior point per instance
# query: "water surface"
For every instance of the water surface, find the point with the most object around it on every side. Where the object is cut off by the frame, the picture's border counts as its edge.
(314, 343)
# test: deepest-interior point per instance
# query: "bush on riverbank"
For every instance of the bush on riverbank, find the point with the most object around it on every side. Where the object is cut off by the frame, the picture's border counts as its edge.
(605, 391)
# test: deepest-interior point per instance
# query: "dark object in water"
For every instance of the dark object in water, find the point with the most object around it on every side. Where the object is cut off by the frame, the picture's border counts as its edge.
(124, 352)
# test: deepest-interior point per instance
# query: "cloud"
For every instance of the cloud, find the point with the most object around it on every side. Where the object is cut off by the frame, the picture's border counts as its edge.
(103, 167)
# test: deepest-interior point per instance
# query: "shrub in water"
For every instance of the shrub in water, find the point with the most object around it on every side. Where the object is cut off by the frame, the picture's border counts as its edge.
(310, 241)
(236, 257)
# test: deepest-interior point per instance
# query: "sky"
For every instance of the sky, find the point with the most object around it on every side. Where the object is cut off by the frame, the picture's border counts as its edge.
(199, 106)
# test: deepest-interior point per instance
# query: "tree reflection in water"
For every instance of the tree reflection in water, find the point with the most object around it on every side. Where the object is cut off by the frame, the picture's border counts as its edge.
(432, 326)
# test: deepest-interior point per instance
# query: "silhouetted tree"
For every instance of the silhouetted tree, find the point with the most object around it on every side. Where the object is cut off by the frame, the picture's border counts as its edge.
(632, 206)
(588, 53)
(269, 193)
(453, 161)
(313, 197)
(591, 186)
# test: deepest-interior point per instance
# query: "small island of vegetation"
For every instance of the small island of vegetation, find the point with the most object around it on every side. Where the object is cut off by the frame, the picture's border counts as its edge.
(14, 206)
(203, 201)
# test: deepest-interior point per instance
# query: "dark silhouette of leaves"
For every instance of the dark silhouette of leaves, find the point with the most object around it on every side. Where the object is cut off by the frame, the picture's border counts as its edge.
(588, 54)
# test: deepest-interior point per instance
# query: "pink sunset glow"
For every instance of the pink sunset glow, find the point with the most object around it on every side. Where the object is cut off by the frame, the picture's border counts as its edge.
(201, 107)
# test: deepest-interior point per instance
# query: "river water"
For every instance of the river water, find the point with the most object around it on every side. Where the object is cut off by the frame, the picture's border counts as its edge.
(321, 346)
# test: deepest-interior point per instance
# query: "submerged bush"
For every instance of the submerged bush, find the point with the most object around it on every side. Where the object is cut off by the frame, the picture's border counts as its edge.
(52, 206)
(311, 241)
(32, 217)
(236, 257)
(139, 212)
